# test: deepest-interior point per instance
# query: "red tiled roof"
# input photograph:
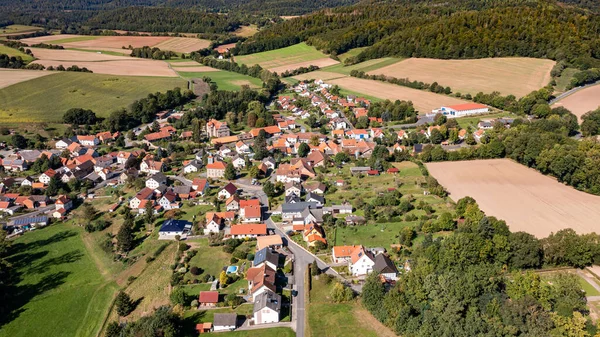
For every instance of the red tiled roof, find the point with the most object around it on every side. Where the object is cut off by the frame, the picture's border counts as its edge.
(218, 165)
(208, 297)
(254, 229)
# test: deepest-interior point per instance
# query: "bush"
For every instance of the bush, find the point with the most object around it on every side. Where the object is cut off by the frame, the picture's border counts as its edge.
(233, 260)
(206, 278)
(250, 257)
(194, 303)
(183, 247)
(228, 249)
(195, 270)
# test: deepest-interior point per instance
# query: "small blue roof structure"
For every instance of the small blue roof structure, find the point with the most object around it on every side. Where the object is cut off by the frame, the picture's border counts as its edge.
(175, 226)
(31, 220)
(265, 255)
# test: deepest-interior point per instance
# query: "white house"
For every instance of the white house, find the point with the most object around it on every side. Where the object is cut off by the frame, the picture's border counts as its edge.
(238, 162)
(242, 148)
(267, 307)
(248, 231)
(63, 144)
(193, 166)
(151, 166)
(45, 177)
(156, 181)
(169, 201)
(227, 191)
(385, 267)
(361, 262)
(461, 110)
(170, 228)
(224, 322)
(88, 140)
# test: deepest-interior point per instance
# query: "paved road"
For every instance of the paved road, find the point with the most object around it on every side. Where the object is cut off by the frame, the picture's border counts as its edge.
(302, 258)
(571, 92)
(253, 190)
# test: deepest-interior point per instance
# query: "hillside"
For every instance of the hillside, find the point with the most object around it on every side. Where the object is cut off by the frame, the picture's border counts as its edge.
(455, 29)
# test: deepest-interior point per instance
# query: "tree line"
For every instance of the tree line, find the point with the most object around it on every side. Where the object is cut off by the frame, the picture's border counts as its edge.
(405, 82)
(154, 53)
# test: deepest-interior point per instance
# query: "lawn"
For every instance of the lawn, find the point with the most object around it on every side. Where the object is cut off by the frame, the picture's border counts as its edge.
(47, 98)
(210, 259)
(226, 80)
(465, 122)
(209, 315)
(329, 319)
(372, 235)
(61, 291)
(288, 56)
(14, 52)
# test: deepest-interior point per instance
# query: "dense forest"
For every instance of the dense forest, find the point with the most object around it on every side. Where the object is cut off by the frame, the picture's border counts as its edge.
(448, 30)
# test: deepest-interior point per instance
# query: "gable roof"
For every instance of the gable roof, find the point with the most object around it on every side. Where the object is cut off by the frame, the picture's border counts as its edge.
(269, 300)
(225, 319)
(218, 165)
(174, 225)
(208, 297)
(265, 255)
(230, 188)
(384, 265)
(268, 240)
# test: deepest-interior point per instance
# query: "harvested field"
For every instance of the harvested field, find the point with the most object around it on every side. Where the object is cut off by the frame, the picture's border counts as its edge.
(288, 58)
(319, 74)
(510, 75)
(525, 198)
(178, 44)
(183, 44)
(424, 101)
(14, 76)
(195, 69)
(324, 62)
(584, 100)
(74, 55)
(119, 67)
(102, 63)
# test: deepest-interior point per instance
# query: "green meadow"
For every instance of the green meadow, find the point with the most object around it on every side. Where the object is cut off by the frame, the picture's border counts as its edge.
(47, 98)
(226, 80)
(60, 291)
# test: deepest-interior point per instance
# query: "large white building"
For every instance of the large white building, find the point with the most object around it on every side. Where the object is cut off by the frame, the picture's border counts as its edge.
(461, 110)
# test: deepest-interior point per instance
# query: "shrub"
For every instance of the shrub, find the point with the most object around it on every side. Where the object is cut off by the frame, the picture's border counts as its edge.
(233, 260)
(196, 271)
(183, 247)
(250, 257)
(124, 304)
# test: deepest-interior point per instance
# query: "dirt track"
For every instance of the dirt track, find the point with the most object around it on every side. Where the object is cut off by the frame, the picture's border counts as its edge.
(526, 199)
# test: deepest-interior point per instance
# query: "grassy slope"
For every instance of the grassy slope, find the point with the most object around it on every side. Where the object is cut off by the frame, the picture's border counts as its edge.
(226, 80)
(351, 52)
(46, 99)
(64, 294)
(366, 66)
(301, 52)
(565, 79)
(14, 52)
(326, 318)
(15, 29)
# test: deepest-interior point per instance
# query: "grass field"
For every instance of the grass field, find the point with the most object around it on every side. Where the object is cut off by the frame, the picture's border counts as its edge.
(326, 318)
(14, 52)
(226, 80)
(287, 58)
(565, 79)
(365, 66)
(527, 200)
(47, 98)
(74, 39)
(62, 293)
(465, 122)
(582, 101)
(350, 53)
(424, 101)
(246, 31)
(17, 29)
(511, 75)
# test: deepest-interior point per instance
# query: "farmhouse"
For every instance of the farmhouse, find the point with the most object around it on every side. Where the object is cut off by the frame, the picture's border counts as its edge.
(461, 110)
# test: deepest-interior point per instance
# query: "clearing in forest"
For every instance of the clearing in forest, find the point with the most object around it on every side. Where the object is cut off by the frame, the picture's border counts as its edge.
(424, 101)
(508, 75)
(582, 101)
(288, 58)
(527, 200)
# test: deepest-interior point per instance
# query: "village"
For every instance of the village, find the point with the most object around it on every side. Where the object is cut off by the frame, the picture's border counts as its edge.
(277, 186)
